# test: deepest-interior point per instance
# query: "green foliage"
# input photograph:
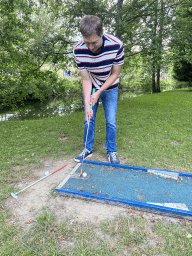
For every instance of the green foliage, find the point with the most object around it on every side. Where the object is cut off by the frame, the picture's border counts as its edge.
(47, 99)
(40, 85)
(181, 40)
(183, 71)
(145, 84)
(136, 75)
(147, 27)
(168, 84)
(75, 10)
(30, 36)
(71, 94)
(183, 85)
(33, 34)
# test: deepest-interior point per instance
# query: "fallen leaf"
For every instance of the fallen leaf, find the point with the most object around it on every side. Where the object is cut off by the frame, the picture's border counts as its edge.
(60, 237)
(111, 248)
(28, 222)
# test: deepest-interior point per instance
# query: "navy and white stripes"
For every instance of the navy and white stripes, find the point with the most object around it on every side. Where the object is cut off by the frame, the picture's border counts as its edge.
(100, 65)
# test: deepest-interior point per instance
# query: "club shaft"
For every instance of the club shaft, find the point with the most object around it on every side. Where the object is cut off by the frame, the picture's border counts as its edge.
(41, 178)
(88, 127)
(86, 141)
(89, 120)
(32, 184)
(87, 133)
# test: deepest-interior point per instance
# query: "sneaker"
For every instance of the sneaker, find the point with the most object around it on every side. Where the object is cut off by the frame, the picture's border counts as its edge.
(83, 155)
(113, 158)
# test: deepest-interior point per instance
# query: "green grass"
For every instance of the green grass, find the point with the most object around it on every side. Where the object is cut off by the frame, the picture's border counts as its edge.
(177, 239)
(153, 131)
(129, 231)
(185, 89)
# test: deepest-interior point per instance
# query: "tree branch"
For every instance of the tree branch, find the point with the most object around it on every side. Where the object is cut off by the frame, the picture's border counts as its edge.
(141, 13)
(134, 54)
(41, 63)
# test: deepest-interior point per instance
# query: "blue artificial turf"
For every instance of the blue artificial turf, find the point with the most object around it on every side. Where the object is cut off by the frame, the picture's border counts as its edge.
(131, 184)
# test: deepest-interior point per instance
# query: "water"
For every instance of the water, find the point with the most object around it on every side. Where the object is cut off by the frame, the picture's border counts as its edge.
(6, 117)
(38, 111)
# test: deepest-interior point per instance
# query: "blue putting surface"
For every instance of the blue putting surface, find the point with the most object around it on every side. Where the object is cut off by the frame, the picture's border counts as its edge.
(155, 189)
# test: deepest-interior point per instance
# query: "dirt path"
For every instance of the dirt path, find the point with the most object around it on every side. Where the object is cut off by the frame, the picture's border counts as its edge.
(30, 202)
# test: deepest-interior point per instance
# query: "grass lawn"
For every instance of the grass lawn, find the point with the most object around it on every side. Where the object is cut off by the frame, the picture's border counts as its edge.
(154, 131)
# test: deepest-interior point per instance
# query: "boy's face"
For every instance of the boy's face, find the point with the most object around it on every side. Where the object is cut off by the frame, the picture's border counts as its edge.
(93, 42)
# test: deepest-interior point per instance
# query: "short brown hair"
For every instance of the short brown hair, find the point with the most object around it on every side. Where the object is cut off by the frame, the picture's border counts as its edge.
(90, 25)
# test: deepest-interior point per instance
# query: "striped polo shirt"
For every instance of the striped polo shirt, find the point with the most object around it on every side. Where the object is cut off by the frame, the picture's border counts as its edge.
(99, 65)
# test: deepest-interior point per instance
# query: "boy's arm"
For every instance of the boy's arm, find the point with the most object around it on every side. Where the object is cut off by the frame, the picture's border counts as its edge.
(87, 88)
(110, 80)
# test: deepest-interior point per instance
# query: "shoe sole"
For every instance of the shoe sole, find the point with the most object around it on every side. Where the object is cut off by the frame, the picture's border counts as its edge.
(77, 160)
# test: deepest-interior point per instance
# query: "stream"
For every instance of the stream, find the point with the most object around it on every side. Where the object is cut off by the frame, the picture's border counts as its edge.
(38, 111)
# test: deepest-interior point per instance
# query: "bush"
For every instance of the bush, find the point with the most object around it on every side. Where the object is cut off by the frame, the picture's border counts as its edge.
(183, 71)
(145, 85)
(39, 86)
(167, 85)
(180, 85)
(141, 85)
(70, 92)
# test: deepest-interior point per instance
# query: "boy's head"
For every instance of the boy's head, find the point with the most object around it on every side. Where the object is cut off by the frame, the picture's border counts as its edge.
(90, 25)
(91, 28)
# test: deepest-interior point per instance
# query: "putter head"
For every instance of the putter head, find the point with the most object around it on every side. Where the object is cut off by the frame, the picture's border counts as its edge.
(14, 195)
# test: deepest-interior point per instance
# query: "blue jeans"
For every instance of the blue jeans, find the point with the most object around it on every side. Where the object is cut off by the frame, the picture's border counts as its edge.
(109, 99)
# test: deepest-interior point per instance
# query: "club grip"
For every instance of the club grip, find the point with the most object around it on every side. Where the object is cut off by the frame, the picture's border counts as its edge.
(58, 168)
(93, 91)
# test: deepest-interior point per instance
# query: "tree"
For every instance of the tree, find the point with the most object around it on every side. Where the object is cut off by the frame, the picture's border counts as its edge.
(183, 71)
(118, 18)
(146, 29)
(181, 41)
(31, 35)
(76, 9)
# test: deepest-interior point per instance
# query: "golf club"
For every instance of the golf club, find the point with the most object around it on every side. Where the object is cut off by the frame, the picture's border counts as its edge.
(47, 173)
(81, 173)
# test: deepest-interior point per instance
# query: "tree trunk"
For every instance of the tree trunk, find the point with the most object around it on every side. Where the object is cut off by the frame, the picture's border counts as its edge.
(159, 45)
(154, 44)
(158, 80)
(153, 80)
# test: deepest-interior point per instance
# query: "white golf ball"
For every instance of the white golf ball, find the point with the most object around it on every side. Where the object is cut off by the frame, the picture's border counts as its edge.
(84, 174)
(46, 173)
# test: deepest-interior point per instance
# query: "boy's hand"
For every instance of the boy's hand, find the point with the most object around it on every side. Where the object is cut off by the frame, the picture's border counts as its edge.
(94, 97)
